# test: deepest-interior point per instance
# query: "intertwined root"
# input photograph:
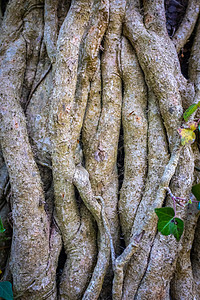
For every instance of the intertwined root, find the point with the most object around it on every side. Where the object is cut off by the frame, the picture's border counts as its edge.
(108, 66)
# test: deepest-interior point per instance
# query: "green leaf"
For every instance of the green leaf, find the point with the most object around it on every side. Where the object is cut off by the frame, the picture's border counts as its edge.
(176, 228)
(190, 111)
(196, 191)
(167, 224)
(165, 215)
(6, 290)
(2, 229)
(164, 212)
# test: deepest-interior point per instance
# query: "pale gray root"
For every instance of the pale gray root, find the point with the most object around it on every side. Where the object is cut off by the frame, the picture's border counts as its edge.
(36, 90)
(158, 59)
(154, 16)
(51, 28)
(37, 113)
(68, 107)
(165, 250)
(81, 253)
(145, 219)
(101, 133)
(102, 155)
(69, 41)
(10, 29)
(195, 253)
(195, 258)
(82, 182)
(194, 61)
(186, 87)
(37, 109)
(120, 262)
(157, 56)
(75, 89)
(183, 283)
(92, 113)
(33, 29)
(187, 25)
(31, 229)
(88, 62)
(194, 64)
(99, 146)
(134, 121)
(63, 97)
(107, 229)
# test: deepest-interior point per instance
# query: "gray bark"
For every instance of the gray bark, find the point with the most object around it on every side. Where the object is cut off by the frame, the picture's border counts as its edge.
(74, 77)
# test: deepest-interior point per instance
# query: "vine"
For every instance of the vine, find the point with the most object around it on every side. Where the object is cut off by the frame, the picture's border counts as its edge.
(168, 222)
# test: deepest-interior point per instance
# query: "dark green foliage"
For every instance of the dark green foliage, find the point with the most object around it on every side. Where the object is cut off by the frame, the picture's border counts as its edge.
(196, 191)
(6, 290)
(190, 111)
(168, 223)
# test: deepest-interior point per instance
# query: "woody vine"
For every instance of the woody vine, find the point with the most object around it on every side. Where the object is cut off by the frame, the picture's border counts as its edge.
(168, 222)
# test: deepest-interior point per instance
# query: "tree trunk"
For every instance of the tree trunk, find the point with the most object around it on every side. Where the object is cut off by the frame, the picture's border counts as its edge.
(92, 93)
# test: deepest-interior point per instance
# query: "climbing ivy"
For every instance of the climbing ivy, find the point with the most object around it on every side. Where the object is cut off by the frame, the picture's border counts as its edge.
(192, 108)
(168, 223)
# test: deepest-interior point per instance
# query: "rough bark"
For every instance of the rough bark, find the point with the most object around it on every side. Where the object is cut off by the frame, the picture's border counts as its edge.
(77, 77)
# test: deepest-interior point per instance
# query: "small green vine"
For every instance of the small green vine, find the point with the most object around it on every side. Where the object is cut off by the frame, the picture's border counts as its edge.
(5, 286)
(168, 223)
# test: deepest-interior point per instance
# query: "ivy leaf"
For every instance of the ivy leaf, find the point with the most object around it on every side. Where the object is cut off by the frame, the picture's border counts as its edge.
(6, 290)
(196, 191)
(2, 229)
(167, 224)
(187, 136)
(176, 228)
(192, 125)
(165, 216)
(190, 111)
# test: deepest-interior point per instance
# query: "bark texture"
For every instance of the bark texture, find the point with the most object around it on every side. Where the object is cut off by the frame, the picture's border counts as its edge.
(91, 97)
